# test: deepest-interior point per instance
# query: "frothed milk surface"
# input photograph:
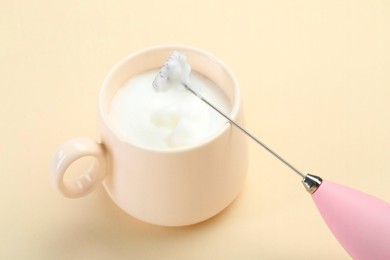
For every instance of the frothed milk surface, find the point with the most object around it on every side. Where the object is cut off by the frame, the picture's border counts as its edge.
(173, 118)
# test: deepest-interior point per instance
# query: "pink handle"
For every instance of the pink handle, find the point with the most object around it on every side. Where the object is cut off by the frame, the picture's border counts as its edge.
(360, 222)
(68, 153)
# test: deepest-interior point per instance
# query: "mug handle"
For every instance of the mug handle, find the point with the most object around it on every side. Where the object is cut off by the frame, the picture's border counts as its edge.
(68, 153)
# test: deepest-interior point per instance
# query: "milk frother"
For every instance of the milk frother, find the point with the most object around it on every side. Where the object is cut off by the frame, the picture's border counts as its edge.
(359, 221)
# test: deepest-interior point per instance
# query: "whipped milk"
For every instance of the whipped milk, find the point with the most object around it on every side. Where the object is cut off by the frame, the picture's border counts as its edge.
(166, 119)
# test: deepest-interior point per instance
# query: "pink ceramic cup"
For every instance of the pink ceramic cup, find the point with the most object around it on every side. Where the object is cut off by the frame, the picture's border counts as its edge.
(168, 187)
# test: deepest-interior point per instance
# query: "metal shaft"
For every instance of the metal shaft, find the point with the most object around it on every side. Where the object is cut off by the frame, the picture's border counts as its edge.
(246, 132)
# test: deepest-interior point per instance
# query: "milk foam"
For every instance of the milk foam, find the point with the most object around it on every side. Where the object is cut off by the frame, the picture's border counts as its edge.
(172, 118)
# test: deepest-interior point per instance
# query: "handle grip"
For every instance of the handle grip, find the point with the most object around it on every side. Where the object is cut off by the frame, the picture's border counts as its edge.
(360, 222)
(68, 153)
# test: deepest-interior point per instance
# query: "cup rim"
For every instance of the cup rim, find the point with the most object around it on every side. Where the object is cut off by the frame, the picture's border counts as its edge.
(236, 104)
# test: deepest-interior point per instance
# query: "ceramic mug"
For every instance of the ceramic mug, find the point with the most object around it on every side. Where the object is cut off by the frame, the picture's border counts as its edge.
(168, 187)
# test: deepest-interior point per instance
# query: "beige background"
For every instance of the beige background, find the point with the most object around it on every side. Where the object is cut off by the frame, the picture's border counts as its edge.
(316, 86)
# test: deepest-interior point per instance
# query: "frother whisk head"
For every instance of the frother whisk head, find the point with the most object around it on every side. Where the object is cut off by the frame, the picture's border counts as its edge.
(175, 70)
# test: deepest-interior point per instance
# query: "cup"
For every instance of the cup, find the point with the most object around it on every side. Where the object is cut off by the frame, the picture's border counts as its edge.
(167, 187)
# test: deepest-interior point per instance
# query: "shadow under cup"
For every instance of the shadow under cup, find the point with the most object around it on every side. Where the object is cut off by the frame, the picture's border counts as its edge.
(177, 186)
